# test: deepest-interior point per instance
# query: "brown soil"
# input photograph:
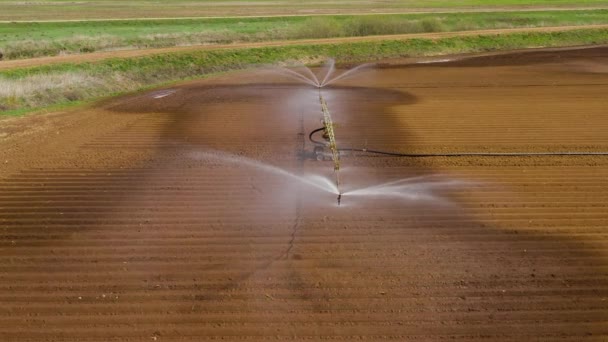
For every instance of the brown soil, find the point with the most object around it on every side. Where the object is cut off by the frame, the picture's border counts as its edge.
(165, 15)
(98, 56)
(112, 11)
(121, 223)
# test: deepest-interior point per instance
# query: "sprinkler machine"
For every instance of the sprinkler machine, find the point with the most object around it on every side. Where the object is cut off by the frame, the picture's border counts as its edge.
(329, 136)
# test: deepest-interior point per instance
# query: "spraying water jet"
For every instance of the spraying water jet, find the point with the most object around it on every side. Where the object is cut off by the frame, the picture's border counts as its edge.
(314, 181)
(327, 80)
(310, 78)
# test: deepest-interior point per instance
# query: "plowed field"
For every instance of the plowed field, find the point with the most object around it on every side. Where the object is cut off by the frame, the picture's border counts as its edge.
(170, 215)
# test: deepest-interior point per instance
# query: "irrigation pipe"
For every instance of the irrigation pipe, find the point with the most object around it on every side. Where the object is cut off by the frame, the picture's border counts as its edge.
(458, 154)
(316, 142)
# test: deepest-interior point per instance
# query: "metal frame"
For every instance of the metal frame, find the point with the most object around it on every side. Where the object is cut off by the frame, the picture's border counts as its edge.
(329, 130)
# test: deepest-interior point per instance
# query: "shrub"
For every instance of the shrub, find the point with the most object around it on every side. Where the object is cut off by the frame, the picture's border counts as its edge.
(318, 27)
(380, 25)
(433, 25)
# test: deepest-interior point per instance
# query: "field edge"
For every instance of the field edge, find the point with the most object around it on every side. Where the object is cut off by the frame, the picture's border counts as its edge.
(148, 72)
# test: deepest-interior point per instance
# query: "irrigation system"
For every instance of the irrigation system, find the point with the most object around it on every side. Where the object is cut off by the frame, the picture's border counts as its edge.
(328, 127)
(311, 137)
(329, 142)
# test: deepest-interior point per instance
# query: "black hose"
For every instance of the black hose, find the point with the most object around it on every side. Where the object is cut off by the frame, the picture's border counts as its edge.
(478, 154)
(310, 137)
(458, 154)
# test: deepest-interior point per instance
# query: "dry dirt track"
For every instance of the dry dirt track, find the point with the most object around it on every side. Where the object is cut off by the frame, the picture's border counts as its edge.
(131, 222)
(98, 56)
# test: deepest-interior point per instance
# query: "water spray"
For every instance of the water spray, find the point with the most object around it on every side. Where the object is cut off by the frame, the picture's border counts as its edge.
(309, 77)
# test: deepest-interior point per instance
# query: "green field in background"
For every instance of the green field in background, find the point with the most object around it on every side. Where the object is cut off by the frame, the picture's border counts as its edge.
(24, 90)
(24, 40)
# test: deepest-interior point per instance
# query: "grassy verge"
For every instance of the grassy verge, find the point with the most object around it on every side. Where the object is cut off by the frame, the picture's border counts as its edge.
(26, 40)
(22, 90)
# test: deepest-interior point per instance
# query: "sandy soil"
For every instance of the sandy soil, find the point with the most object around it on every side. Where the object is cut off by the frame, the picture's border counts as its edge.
(98, 56)
(131, 221)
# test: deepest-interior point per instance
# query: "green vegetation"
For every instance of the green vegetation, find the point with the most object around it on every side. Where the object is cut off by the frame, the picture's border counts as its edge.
(64, 83)
(25, 40)
(11, 10)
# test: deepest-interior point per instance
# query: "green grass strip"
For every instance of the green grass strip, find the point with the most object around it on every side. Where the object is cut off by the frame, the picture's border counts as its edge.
(27, 40)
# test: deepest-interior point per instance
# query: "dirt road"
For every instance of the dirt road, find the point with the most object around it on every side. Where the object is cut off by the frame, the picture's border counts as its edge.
(98, 56)
(178, 214)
